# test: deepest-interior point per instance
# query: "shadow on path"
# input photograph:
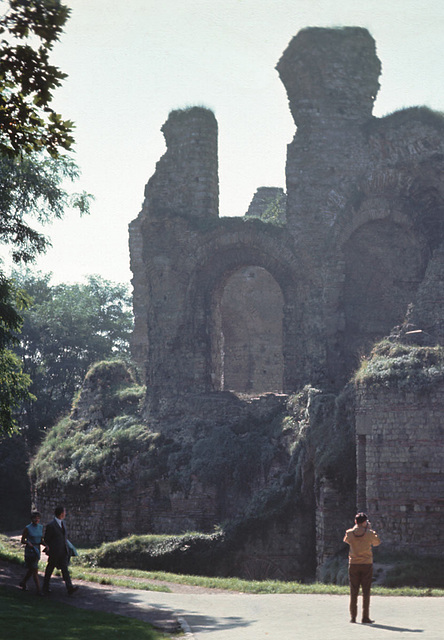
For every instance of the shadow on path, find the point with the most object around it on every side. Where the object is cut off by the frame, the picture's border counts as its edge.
(400, 629)
(196, 620)
(94, 597)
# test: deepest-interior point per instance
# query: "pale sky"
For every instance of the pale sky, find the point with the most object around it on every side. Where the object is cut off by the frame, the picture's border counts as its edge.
(130, 62)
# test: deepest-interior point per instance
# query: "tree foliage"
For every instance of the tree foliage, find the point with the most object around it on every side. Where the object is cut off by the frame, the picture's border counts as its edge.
(11, 301)
(33, 139)
(33, 136)
(14, 382)
(28, 30)
(32, 187)
(66, 329)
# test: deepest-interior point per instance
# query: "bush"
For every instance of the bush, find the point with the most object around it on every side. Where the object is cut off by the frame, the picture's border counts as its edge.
(192, 553)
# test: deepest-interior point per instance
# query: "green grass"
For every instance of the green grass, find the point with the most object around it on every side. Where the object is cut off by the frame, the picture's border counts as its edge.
(117, 578)
(137, 579)
(133, 578)
(24, 616)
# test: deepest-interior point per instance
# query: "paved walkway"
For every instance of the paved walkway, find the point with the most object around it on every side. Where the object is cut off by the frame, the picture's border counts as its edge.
(221, 615)
(229, 616)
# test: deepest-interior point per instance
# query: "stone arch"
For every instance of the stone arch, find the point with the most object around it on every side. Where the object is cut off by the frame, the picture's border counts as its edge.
(377, 264)
(251, 310)
(377, 205)
(205, 298)
(384, 264)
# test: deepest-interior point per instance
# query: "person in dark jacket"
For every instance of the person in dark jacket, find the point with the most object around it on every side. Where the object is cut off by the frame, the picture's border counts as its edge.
(56, 541)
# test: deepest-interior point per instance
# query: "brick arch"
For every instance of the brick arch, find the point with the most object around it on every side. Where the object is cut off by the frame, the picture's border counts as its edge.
(411, 195)
(393, 208)
(384, 264)
(205, 293)
(378, 205)
(379, 256)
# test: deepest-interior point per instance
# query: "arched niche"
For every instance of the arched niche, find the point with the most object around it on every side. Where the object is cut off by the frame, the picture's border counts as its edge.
(384, 266)
(205, 304)
(247, 332)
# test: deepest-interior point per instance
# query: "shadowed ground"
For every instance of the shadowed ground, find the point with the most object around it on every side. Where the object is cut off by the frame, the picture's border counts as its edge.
(209, 614)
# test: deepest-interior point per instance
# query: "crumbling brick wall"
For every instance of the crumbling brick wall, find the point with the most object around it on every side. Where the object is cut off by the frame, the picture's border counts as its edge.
(364, 211)
(401, 483)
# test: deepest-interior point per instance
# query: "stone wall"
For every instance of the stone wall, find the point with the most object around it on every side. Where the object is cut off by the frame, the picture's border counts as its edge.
(334, 514)
(364, 211)
(104, 513)
(252, 315)
(361, 245)
(268, 204)
(401, 440)
(427, 310)
(282, 550)
(186, 180)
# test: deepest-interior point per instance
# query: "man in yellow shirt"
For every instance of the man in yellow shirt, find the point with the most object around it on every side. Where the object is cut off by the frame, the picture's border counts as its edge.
(360, 570)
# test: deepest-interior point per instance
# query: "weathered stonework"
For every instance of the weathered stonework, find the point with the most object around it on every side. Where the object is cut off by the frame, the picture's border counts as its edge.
(333, 510)
(249, 306)
(269, 204)
(251, 314)
(362, 244)
(115, 510)
(364, 216)
(400, 444)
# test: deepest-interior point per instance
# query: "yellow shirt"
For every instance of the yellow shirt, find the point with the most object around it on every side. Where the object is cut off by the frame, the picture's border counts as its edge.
(361, 540)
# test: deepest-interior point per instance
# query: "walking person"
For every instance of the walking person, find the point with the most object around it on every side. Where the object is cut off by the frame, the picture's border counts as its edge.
(361, 539)
(57, 542)
(32, 539)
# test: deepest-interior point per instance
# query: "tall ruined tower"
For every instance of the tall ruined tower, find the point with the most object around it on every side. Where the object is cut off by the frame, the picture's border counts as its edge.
(186, 180)
(331, 78)
(185, 185)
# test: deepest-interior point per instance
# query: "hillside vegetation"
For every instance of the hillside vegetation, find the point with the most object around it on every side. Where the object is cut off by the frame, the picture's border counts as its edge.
(257, 459)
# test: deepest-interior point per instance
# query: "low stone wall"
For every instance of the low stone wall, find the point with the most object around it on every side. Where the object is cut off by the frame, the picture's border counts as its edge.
(96, 515)
(283, 550)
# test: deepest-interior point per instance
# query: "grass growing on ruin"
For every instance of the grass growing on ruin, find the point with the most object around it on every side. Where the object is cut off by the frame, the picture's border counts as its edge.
(24, 616)
(392, 364)
(76, 451)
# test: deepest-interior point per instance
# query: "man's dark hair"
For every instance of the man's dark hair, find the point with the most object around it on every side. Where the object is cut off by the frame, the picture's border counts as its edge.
(58, 510)
(360, 517)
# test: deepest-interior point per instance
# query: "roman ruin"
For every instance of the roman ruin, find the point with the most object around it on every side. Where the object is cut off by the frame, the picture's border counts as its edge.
(241, 320)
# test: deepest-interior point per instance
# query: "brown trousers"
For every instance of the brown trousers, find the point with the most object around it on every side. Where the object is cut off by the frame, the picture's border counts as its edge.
(360, 575)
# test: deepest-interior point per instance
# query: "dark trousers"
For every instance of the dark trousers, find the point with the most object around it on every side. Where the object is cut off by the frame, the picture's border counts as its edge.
(360, 575)
(60, 563)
